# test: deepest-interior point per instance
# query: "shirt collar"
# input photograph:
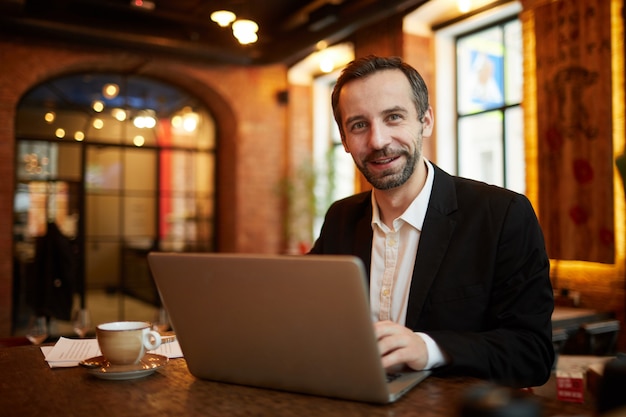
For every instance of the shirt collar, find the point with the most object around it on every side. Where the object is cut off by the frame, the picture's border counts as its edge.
(416, 212)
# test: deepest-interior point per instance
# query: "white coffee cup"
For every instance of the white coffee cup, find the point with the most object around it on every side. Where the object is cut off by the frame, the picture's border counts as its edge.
(126, 342)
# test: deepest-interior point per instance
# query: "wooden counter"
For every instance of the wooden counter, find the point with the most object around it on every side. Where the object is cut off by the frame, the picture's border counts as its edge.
(28, 387)
(570, 318)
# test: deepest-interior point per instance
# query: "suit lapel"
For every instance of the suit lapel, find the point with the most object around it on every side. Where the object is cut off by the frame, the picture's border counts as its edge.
(434, 240)
(363, 238)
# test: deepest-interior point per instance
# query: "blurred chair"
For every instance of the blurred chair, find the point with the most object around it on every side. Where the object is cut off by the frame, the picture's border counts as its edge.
(601, 337)
(559, 338)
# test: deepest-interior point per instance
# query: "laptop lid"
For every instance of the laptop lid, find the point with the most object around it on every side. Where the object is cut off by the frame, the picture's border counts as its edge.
(293, 323)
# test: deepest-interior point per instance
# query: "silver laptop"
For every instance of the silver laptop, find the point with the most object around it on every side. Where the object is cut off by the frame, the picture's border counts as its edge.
(292, 323)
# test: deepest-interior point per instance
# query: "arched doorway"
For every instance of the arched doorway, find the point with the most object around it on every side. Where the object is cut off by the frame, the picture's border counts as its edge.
(120, 165)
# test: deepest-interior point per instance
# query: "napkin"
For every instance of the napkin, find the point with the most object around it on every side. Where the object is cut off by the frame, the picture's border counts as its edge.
(69, 352)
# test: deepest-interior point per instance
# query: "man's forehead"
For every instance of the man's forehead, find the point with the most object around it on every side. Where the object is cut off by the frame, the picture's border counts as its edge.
(383, 89)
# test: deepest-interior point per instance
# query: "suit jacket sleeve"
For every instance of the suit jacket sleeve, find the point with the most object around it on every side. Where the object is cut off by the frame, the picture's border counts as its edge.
(480, 285)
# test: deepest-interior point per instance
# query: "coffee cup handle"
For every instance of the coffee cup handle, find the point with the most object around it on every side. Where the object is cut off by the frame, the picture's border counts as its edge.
(151, 340)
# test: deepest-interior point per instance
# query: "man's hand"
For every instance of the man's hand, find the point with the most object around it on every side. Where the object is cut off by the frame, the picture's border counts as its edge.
(399, 346)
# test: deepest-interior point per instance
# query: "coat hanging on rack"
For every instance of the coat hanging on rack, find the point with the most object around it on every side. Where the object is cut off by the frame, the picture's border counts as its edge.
(52, 281)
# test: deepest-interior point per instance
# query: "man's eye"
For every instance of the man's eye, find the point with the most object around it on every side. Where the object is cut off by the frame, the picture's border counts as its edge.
(358, 125)
(394, 116)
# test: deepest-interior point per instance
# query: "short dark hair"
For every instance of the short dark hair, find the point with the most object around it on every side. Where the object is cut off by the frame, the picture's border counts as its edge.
(363, 67)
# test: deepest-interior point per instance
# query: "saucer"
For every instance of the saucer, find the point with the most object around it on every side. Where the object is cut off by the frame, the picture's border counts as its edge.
(101, 368)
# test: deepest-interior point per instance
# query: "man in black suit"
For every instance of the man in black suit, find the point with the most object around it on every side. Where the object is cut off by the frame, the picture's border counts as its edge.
(458, 271)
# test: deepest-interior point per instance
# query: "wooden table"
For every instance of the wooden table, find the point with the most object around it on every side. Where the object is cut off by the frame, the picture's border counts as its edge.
(28, 387)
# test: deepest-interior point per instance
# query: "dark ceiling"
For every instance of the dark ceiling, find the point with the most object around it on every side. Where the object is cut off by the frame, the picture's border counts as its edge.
(288, 29)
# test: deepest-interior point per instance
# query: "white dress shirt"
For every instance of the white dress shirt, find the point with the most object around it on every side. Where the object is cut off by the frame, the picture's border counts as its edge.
(393, 258)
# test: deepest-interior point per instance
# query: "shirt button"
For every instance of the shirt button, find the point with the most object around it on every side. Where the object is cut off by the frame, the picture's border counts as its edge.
(386, 292)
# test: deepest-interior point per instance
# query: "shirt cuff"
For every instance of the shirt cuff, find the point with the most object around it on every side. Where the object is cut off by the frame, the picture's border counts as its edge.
(435, 355)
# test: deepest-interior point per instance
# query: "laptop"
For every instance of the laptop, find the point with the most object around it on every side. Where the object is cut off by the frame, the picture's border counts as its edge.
(291, 323)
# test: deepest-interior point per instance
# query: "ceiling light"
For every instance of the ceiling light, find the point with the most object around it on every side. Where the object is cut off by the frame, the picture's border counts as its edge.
(110, 91)
(190, 121)
(97, 106)
(139, 140)
(119, 114)
(223, 17)
(464, 6)
(245, 31)
(98, 123)
(145, 119)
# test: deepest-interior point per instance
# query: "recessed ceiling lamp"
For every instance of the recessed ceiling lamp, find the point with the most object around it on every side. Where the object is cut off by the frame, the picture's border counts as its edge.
(245, 31)
(223, 17)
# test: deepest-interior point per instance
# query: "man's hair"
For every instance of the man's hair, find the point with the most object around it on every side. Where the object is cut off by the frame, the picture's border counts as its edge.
(366, 66)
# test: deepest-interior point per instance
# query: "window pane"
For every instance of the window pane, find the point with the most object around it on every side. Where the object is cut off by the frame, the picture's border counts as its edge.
(515, 153)
(104, 166)
(70, 162)
(103, 264)
(480, 62)
(36, 160)
(140, 170)
(188, 128)
(205, 170)
(139, 222)
(514, 62)
(103, 216)
(480, 148)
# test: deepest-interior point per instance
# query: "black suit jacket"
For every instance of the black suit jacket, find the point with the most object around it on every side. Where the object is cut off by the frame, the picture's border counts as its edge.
(480, 285)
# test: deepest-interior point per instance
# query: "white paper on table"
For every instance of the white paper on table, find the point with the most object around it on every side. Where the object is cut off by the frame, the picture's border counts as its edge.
(69, 352)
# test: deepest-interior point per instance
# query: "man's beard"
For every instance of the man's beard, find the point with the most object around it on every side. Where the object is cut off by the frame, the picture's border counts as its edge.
(388, 179)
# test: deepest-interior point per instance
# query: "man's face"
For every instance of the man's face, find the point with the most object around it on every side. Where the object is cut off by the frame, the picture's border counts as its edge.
(381, 127)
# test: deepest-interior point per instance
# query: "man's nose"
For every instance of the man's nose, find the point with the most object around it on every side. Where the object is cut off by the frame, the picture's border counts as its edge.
(378, 137)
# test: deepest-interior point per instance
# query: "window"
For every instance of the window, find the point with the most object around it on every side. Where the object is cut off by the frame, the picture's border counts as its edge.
(335, 171)
(122, 164)
(490, 141)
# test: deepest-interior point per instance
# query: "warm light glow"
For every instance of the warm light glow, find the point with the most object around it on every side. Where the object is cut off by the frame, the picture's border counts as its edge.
(464, 6)
(190, 121)
(177, 121)
(59, 133)
(142, 4)
(97, 106)
(321, 45)
(245, 31)
(139, 140)
(119, 114)
(327, 65)
(98, 123)
(79, 136)
(223, 17)
(145, 120)
(110, 91)
(569, 273)
(49, 117)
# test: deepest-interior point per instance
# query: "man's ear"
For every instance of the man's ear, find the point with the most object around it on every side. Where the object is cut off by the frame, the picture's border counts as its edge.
(428, 122)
